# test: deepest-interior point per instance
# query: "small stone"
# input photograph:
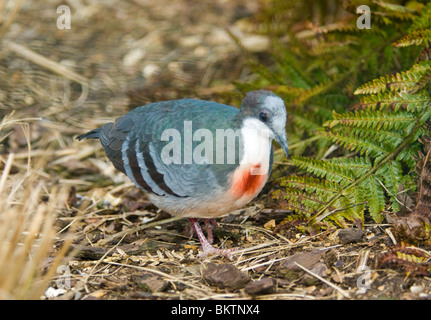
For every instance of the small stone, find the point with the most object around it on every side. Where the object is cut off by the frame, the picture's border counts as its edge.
(255, 43)
(288, 268)
(225, 276)
(416, 289)
(52, 293)
(150, 70)
(263, 286)
(150, 283)
(350, 235)
(320, 269)
(133, 57)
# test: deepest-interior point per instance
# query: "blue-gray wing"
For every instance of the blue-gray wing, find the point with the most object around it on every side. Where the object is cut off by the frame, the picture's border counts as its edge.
(134, 145)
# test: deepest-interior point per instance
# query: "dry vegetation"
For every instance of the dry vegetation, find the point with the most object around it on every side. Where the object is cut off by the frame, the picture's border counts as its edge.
(63, 205)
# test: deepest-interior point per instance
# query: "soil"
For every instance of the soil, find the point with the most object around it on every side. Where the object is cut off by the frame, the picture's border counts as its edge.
(121, 54)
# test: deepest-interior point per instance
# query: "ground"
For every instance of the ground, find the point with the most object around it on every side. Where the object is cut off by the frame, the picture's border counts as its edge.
(118, 55)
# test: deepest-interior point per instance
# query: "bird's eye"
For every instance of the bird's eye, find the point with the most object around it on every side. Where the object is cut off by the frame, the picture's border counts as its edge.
(263, 116)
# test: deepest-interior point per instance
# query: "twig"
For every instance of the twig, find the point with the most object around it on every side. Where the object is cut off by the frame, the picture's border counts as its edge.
(392, 195)
(138, 228)
(422, 174)
(45, 62)
(4, 25)
(363, 258)
(102, 258)
(160, 273)
(264, 263)
(343, 292)
(390, 234)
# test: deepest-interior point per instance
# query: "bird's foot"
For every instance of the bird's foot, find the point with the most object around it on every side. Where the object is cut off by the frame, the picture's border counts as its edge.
(207, 248)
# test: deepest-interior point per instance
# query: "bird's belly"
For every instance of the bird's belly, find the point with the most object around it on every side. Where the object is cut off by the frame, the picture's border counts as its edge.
(247, 182)
(213, 206)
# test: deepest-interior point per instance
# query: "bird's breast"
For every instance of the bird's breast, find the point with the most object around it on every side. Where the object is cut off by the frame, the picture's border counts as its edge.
(252, 173)
(247, 181)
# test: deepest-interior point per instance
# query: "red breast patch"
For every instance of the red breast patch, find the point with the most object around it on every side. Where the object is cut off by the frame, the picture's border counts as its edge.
(247, 181)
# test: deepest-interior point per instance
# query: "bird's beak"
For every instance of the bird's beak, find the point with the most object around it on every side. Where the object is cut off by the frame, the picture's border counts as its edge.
(282, 140)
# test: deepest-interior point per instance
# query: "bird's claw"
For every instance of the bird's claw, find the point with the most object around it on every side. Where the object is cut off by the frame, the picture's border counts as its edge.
(211, 251)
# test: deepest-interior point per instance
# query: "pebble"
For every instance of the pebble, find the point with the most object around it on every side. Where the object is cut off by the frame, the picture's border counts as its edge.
(262, 286)
(416, 289)
(225, 276)
(350, 235)
(133, 57)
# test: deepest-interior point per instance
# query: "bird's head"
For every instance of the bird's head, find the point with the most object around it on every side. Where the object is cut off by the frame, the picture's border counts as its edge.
(269, 109)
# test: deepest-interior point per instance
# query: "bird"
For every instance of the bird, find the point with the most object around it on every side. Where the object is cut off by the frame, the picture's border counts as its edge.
(198, 159)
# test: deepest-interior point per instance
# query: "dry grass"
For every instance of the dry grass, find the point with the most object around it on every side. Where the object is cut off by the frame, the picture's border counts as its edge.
(56, 93)
(28, 212)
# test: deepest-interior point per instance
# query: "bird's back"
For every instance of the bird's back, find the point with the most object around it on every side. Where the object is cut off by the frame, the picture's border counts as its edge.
(134, 145)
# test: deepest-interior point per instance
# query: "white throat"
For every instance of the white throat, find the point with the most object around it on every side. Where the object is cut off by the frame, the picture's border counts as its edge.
(257, 142)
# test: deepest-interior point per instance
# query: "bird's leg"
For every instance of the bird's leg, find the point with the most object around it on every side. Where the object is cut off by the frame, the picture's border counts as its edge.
(214, 222)
(209, 229)
(207, 248)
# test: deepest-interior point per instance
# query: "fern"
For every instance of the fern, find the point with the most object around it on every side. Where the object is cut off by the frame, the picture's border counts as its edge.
(384, 131)
(307, 67)
(371, 119)
(393, 101)
(331, 80)
(410, 80)
(386, 143)
(417, 37)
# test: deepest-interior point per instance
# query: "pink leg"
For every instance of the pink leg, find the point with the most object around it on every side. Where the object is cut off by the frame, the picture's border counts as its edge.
(214, 222)
(207, 248)
(209, 230)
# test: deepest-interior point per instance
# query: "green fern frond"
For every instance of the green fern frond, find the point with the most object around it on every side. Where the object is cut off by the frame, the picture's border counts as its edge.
(370, 119)
(331, 48)
(358, 165)
(388, 139)
(303, 122)
(408, 155)
(333, 172)
(374, 193)
(289, 67)
(392, 174)
(417, 37)
(314, 91)
(406, 81)
(354, 142)
(300, 95)
(356, 197)
(396, 8)
(301, 202)
(311, 184)
(395, 101)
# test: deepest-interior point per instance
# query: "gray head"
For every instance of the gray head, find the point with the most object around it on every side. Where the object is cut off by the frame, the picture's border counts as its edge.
(270, 110)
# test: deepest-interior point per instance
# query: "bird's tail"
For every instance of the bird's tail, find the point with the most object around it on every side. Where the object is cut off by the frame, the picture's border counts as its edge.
(93, 134)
